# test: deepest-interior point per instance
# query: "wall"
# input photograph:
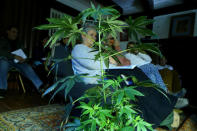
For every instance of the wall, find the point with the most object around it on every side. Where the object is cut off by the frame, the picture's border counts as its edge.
(26, 14)
(180, 52)
(123, 44)
(161, 25)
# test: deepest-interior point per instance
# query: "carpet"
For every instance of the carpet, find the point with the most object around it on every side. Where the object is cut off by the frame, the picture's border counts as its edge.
(42, 118)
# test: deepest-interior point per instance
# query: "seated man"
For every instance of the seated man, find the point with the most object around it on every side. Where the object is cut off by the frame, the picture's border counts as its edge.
(39, 60)
(9, 44)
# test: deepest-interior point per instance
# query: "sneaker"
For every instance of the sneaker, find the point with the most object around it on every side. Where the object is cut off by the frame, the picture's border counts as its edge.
(181, 102)
(42, 89)
(180, 93)
(39, 91)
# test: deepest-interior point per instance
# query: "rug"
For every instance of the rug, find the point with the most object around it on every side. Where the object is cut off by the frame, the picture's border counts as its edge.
(42, 118)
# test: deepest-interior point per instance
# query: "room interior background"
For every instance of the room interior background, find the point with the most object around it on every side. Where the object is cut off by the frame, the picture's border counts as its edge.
(180, 52)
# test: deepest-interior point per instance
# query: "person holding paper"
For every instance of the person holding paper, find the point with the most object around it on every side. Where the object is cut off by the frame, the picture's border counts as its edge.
(10, 56)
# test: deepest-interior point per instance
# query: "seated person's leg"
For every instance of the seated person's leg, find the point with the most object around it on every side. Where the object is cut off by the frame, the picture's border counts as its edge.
(28, 72)
(150, 70)
(137, 72)
(41, 71)
(4, 67)
(155, 105)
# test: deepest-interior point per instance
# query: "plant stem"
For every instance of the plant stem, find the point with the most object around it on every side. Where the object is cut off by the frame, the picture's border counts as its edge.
(117, 53)
(101, 58)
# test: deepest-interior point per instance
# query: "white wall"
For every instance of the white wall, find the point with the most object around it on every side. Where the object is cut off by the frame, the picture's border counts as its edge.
(161, 25)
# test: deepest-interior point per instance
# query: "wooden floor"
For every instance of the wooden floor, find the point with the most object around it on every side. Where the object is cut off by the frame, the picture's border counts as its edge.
(16, 100)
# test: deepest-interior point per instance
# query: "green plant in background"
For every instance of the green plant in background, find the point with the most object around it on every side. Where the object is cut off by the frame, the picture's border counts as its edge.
(109, 105)
(137, 27)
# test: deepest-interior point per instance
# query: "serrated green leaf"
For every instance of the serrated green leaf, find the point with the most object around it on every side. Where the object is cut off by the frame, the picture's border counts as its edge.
(106, 61)
(120, 97)
(145, 31)
(50, 89)
(128, 128)
(46, 27)
(139, 20)
(108, 83)
(58, 34)
(86, 122)
(58, 90)
(93, 126)
(133, 91)
(69, 85)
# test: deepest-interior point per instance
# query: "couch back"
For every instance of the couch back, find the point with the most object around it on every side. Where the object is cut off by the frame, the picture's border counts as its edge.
(63, 68)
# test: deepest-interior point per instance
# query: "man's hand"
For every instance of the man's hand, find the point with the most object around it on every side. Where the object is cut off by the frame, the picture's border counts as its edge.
(112, 61)
(20, 59)
(124, 61)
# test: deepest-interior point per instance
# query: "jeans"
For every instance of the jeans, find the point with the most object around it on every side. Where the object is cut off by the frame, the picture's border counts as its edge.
(23, 68)
(152, 72)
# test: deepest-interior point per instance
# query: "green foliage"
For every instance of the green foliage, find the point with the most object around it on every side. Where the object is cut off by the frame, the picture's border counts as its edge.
(109, 107)
(117, 113)
(111, 25)
(65, 84)
(66, 26)
(147, 47)
(96, 13)
(138, 27)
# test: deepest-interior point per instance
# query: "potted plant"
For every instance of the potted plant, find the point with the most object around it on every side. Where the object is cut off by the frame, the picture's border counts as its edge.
(98, 113)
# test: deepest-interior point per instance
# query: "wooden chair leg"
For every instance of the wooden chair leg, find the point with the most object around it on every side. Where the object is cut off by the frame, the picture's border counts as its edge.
(17, 85)
(21, 81)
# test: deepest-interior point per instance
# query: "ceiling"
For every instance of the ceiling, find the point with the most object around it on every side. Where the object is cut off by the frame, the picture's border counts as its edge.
(127, 7)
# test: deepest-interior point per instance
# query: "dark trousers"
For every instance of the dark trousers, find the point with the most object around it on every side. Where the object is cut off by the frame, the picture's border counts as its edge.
(25, 69)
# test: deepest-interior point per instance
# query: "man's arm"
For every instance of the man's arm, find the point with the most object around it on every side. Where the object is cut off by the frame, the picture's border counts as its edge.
(123, 60)
(145, 57)
(4, 50)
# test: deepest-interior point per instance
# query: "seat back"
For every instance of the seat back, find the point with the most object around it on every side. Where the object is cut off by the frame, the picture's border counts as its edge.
(63, 68)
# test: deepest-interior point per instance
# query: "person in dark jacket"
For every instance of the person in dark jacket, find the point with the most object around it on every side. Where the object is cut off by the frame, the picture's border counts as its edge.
(8, 44)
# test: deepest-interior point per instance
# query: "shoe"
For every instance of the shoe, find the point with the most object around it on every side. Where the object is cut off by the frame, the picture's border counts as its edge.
(41, 89)
(181, 102)
(181, 93)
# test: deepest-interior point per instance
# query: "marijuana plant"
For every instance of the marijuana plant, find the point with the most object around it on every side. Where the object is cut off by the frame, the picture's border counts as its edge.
(108, 106)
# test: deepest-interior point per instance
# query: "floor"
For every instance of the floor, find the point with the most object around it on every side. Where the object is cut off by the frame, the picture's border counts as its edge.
(17, 99)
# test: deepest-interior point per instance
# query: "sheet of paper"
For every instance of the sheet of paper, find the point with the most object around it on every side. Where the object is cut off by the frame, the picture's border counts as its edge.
(20, 53)
(124, 67)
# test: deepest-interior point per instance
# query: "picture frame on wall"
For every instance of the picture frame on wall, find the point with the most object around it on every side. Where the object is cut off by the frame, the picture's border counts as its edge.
(182, 25)
(124, 35)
